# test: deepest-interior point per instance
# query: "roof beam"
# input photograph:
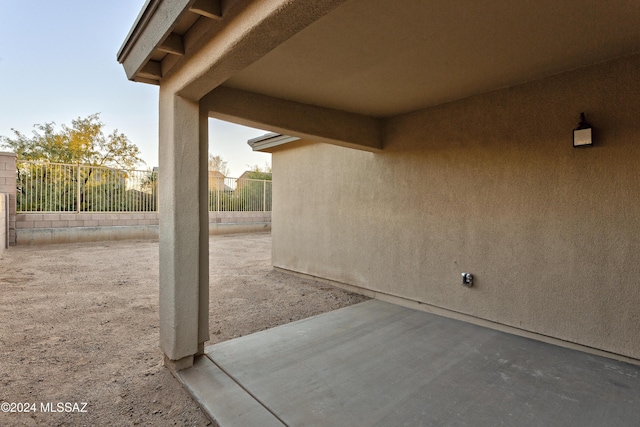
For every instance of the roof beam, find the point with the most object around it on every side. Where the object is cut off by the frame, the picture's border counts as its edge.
(209, 8)
(147, 81)
(151, 70)
(295, 119)
(173, 45)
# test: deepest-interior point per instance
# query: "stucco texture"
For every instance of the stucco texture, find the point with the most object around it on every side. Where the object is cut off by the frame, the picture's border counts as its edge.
(489, 185)
(3, 222)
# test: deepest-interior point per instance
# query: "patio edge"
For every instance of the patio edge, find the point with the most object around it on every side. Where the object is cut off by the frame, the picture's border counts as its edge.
(220, 397)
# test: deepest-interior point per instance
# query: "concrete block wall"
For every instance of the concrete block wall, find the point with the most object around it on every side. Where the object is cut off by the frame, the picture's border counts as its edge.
(44, 228)
(128, 219)
(72, 220)
(8, 186)
(239, 222)
(239, 217)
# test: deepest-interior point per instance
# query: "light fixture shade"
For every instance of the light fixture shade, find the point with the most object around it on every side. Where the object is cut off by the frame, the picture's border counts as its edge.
(582, 135)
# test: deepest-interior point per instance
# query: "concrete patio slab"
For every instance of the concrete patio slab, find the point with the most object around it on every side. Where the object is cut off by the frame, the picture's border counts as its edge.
(210, 386)
(379, 364)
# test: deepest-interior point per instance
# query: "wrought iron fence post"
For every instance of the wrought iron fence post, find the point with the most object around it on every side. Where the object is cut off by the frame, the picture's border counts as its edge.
(264, 195)
(78, 190)
(218, 194)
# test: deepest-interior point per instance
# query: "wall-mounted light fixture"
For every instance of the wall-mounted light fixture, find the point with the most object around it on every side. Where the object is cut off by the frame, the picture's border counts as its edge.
(582, 134)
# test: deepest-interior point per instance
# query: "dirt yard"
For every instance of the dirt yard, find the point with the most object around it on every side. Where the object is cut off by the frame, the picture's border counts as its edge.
(79, 323)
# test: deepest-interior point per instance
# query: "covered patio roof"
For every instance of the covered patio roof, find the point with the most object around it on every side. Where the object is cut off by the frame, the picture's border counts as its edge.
(350, 64)
(376, 59)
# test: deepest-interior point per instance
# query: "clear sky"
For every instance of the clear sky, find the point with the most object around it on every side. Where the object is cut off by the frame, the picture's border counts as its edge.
(58, 62)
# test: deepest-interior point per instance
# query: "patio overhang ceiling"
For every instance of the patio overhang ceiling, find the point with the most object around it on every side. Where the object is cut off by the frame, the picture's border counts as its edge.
(358, 62)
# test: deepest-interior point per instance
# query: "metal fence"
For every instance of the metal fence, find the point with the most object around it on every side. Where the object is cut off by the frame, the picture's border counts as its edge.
(57, 187)
(239, 194)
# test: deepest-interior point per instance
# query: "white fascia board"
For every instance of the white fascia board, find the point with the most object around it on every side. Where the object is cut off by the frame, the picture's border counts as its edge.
(270, 140)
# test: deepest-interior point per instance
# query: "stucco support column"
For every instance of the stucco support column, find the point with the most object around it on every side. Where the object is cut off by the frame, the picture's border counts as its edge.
(184, 237)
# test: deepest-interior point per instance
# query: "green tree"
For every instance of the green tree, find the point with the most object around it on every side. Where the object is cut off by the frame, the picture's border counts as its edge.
(256, 172)
(46, 187)
(83, 142)
(216, 163)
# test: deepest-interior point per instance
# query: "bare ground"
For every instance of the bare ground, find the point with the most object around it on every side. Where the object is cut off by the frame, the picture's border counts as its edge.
(79, 323)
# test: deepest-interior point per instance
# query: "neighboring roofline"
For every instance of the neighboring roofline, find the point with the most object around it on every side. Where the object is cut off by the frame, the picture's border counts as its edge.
(270, 140)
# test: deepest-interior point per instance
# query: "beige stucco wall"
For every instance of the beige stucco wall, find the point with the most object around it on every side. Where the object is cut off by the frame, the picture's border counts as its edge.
(4, 221)
(8, 186)
(489, 185)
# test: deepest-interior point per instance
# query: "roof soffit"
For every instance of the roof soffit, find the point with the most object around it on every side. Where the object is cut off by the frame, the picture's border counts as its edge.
(391, 57)
(375, 59)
